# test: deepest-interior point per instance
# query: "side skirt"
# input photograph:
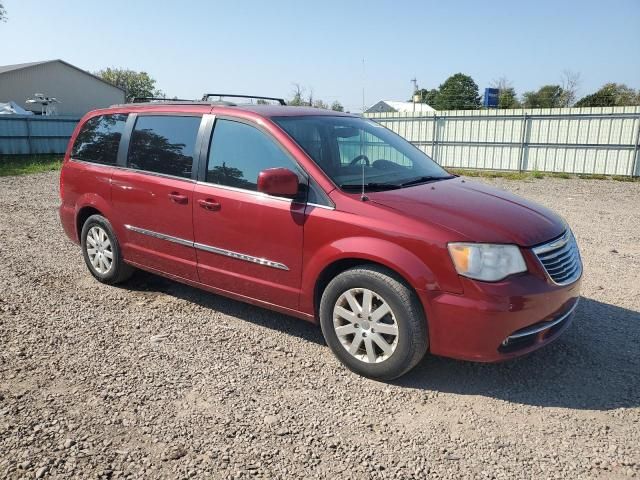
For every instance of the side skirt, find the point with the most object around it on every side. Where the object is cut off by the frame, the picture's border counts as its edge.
(226, 293)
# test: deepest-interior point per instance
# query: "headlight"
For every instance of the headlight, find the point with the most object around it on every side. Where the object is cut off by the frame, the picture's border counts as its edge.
(487, 262)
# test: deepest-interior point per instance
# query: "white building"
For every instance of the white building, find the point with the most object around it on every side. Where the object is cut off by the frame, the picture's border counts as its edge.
(384, 106)
(77, 90)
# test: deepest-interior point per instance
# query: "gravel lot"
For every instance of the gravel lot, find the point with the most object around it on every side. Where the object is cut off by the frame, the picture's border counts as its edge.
(158, 380)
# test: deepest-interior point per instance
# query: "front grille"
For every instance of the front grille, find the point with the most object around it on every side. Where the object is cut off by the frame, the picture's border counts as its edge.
(561, 259)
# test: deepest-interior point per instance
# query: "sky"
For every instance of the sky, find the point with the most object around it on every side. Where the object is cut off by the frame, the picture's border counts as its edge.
(337, 48)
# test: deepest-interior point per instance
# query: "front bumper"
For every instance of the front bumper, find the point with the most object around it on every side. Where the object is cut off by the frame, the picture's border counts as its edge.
(492, 322)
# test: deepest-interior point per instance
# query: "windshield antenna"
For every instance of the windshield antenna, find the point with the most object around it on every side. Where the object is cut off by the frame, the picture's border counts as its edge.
(363, 196)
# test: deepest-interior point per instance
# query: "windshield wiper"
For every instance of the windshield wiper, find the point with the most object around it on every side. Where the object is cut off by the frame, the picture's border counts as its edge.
(424, 179)
(369, 186)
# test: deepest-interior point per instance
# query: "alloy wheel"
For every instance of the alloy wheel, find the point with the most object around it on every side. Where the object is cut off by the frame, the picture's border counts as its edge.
(365, 325)
(99, 250)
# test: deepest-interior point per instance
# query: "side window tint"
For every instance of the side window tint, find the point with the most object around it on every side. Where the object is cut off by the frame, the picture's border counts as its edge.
(99, 139)
(239, 152)
(164, 144)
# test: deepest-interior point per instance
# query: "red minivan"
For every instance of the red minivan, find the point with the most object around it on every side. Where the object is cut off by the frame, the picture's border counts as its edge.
(325, 216)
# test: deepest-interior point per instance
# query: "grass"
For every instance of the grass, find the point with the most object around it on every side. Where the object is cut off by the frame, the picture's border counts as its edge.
(28, 164)
(538, 175)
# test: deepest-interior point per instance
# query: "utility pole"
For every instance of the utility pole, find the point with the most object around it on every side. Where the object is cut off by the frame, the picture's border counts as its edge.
(413, 95)
(364, 78)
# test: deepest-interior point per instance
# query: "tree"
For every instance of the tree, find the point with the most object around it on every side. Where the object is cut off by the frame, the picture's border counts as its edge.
(135, 84)
(570, 84)
(507, 97)
(426, 96)
(548, 96)
(320, 104)
(3, 13)
(336, 106)
(611, 95)
(298, 96)
(458, 92)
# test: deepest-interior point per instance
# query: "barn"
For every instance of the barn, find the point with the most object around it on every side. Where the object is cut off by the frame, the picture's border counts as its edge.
(386, 106)
(76, 91)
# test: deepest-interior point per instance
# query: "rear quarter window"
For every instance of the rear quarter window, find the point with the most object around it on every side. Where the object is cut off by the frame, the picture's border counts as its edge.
(164, 144)
(99, 139)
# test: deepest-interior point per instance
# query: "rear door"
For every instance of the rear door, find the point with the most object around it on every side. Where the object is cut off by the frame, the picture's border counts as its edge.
(247, 243)
(153, 192)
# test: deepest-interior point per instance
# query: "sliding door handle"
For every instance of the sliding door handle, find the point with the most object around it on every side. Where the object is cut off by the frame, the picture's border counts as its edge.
(209, 204)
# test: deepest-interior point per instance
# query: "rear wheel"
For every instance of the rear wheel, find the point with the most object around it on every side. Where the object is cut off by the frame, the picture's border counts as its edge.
(373, 322)
(101, 251)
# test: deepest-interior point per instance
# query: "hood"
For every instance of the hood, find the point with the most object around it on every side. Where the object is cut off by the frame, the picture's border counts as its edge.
(475, 212)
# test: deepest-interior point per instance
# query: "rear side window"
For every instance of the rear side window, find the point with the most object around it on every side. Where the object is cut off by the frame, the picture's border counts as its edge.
(239, 152)
(164, 144)
(99, 139)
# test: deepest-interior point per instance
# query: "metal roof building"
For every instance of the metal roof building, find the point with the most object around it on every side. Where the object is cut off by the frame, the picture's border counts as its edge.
(385, 106)
(77, 90)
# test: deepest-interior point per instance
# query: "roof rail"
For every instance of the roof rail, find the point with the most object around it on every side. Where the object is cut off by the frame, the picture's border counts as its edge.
(158, 99)
(206, 96)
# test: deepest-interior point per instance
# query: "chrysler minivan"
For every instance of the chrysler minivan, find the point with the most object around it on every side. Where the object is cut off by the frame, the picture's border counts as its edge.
(321, 215)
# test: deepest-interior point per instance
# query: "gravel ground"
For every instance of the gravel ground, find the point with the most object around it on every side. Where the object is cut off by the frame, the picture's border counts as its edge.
(158, 380)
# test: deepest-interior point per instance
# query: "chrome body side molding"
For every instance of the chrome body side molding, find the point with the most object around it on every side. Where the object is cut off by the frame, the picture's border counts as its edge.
(161, 236)
(209, 248)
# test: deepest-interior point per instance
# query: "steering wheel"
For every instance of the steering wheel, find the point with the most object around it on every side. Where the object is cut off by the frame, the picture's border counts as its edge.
(360, 157)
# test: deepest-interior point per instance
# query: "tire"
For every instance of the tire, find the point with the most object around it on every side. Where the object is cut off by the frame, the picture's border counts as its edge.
(98, 242)
(403, 328)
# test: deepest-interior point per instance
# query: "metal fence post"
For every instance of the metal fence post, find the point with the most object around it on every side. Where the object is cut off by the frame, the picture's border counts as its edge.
(29, 142)
(434, 139)
(523, 141)
(636, 148)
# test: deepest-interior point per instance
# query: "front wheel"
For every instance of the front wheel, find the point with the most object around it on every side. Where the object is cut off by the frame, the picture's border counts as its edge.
(101, 251)
(373, 322)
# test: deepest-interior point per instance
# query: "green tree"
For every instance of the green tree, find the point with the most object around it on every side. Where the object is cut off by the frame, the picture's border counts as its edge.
(548, 96)
(426, 96)
(336, 106)
(508, 99)
(3, 13)
(458, 92)
(135, 84)
(611, 95)
(320, 104)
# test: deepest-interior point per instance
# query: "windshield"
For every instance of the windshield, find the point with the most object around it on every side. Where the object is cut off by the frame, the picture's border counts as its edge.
(346, 148)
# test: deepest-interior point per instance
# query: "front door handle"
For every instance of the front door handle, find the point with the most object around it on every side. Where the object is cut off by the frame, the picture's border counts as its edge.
(209, 204)
(178, 198)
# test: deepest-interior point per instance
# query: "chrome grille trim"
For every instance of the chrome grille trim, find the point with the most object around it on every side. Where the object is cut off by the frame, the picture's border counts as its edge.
(561, 259)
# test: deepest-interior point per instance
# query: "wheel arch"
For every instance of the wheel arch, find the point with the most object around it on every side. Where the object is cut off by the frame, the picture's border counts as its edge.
(87, 205)
(83, 214)
(362, 251)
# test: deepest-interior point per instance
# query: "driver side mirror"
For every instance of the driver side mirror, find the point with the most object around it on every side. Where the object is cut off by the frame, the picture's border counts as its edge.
(280, 182)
